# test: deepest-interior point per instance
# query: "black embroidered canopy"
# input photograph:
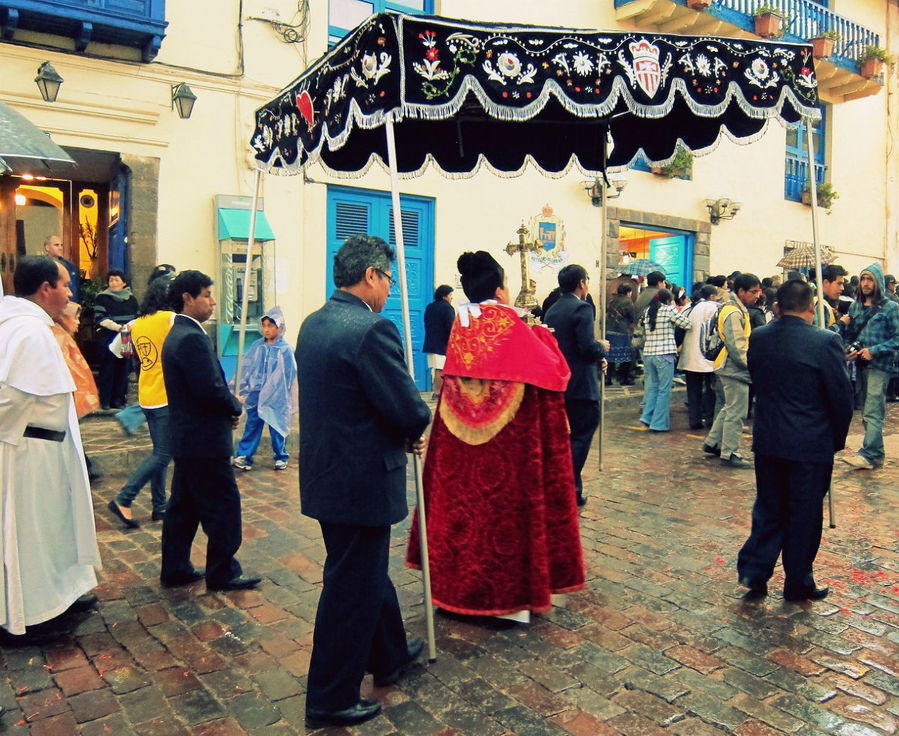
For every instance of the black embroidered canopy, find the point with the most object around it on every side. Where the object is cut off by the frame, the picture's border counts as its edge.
(453, 88)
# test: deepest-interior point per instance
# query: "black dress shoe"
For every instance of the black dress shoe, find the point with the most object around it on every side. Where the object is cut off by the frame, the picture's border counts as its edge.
(711, 450)
(362, 711)
(159, 515)
(83, 603)
(117, 512)
(241, 582)
(413, 649)
(815, 594)
(581, 499)
(184, 578)
(756, 591)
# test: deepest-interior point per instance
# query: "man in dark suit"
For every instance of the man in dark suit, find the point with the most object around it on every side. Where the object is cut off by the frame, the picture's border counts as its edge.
(803, 409)
(202, 415)
(572, 320)
(359, 413)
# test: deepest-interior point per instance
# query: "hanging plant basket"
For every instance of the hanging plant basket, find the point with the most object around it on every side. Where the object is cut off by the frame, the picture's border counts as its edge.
(768, 25)
(822, 47)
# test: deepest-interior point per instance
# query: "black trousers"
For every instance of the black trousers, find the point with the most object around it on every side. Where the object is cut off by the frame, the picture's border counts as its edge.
(700, 398)
(358, 625)
(786, 518)
(112, 379)
(203, 492)
(583, 418)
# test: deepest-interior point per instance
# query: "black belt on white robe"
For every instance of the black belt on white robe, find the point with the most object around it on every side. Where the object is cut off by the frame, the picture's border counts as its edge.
(39, 433)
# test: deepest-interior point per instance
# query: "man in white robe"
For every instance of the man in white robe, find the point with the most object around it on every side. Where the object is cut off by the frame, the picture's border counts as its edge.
(47, 534)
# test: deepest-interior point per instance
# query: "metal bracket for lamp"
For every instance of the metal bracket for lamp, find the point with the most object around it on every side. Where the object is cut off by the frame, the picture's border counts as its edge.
(594, 188)
(183, 100)
(722, 209)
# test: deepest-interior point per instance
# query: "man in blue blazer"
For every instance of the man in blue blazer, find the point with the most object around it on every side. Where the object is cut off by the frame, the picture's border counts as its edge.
(803, 404)
(360, 412)
(572, 320)
(202, 415)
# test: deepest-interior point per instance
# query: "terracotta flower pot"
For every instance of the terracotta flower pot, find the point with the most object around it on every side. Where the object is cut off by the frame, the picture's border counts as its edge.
(871, 68)
(806, 197)
(768, 25)
(822, 47)
(698, 4)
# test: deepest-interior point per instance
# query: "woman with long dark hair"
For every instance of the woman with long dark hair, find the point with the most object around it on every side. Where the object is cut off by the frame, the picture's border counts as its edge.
(659, 357)
(148, 332)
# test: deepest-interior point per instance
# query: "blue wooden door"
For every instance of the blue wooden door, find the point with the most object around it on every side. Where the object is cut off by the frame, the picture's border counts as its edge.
(674, 253)
(119, 256)
(367, 212)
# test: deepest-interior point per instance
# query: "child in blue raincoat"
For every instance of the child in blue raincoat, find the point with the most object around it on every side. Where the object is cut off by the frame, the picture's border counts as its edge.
(268, 390)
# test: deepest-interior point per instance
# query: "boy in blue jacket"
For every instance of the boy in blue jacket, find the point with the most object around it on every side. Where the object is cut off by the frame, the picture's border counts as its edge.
(268, 391)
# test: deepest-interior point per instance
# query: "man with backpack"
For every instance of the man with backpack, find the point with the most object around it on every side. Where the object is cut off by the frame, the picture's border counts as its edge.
(733, 330)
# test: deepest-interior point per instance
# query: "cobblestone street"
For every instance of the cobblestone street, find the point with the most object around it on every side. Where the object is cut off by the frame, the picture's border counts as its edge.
(660, 642)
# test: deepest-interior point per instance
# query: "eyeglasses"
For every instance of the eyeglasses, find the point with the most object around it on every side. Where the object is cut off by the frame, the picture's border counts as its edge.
(390, 279)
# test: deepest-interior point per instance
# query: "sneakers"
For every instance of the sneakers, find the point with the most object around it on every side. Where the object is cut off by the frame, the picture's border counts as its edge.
(241, 463)
(859, 462)
(280, 465)
(716, 451)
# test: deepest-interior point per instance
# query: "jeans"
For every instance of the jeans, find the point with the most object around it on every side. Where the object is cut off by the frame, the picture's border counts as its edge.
(728, 426)
(700, 398)
(658, 373)
(252, 433)
(873, 386)
(154, 468)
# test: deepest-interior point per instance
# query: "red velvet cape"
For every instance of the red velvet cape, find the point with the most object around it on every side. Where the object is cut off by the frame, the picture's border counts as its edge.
(503, 530)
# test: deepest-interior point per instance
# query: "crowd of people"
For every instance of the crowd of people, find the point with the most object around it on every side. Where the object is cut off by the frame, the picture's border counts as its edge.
(501, 509)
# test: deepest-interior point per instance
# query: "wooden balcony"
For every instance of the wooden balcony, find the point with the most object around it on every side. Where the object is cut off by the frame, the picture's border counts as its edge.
(839, 77)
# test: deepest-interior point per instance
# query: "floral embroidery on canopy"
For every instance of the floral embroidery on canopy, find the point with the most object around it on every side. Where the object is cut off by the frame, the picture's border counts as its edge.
(452, 87)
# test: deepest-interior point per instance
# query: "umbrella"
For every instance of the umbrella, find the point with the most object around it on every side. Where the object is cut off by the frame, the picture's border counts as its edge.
(460, 96)
(803, 256)
(640, 267)
(23, 146)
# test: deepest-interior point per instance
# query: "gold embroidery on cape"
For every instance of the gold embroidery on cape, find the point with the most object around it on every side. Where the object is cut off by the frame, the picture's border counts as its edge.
(477, 390)
(490, 329)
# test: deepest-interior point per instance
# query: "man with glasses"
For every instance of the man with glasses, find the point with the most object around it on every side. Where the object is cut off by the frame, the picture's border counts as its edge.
(360, 412)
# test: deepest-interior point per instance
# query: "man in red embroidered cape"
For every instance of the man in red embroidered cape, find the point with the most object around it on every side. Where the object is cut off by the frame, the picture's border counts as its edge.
(503, 528)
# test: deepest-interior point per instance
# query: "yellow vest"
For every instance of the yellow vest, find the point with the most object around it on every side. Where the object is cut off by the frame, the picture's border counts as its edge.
(722, 315)
(147, 335)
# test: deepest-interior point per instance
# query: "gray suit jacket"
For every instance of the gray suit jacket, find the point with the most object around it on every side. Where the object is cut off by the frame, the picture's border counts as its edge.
(358, 407)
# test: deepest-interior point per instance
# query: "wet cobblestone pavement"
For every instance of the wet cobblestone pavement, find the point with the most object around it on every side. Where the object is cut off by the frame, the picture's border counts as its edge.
(659, 643)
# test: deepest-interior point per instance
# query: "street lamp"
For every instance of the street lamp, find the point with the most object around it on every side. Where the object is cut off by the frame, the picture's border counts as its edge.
(183, 100)
(722, 209)
(48, 81)
(594, 189)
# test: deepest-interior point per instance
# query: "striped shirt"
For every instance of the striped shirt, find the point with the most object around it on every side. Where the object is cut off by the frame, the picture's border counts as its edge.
(660, 341)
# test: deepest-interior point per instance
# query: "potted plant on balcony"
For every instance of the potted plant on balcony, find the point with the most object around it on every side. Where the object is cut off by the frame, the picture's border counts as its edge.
(823, 43)
(826, 195)
(769, 21)
(681, 166)
(698, 4)
(872, 60)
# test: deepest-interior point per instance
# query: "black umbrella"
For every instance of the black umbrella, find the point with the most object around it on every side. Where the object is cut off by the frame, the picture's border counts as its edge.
(460, 95)
(25, 148)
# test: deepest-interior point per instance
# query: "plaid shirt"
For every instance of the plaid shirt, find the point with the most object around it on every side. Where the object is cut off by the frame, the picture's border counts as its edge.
(881, 333)
(660, 341)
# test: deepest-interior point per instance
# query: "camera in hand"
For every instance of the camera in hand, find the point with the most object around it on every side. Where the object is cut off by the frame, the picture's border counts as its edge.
(853, 347)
